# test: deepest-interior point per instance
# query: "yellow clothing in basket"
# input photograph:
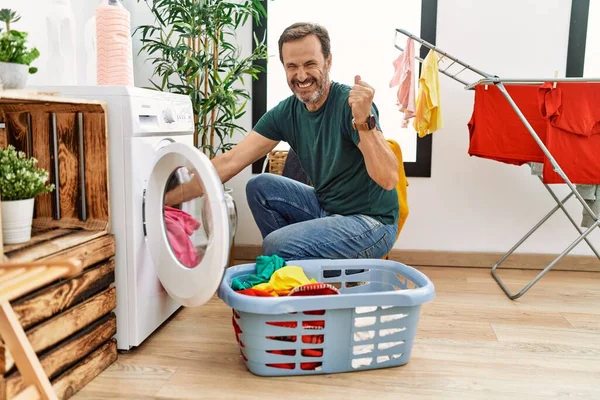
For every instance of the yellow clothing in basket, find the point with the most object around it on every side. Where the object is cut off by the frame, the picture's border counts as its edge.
(284, 280)
(428, 115)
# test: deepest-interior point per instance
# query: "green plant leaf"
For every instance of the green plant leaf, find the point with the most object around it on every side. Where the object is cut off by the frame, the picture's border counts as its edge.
(180, 48)
(20, 178)
(13, 48)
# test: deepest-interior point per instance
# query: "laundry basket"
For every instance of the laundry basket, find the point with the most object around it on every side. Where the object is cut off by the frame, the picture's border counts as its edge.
(370, 324)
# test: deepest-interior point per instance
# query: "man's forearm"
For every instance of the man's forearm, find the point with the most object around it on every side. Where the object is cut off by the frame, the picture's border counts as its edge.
(193, 189)
(380, 161)
(224, 166)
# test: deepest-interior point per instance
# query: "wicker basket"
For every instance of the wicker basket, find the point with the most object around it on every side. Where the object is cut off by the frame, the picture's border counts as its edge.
(277, 161)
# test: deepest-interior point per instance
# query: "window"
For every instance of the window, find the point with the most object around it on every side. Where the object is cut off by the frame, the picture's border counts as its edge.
(362, 43)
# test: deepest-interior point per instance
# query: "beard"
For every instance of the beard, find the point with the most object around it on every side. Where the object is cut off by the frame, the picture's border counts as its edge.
(318, 90)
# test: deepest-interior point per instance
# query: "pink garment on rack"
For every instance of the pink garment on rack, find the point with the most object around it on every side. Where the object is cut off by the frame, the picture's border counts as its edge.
(404, 66)
(180, 226)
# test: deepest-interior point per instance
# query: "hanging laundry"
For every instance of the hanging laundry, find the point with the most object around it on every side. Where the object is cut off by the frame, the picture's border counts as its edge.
(536, 168)
(591, 195)
(284, 280)
(404, 67)
(265, 267)
(428, 115)
(571, 107)
(573, 131)
(400, 187)
(497, 133)
(180, 225)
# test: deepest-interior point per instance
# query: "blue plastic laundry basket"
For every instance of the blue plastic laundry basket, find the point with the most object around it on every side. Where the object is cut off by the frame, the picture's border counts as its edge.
(371, 324)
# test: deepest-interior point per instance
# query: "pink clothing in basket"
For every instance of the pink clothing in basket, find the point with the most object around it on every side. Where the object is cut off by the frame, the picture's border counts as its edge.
(180, 226)
(404, 66)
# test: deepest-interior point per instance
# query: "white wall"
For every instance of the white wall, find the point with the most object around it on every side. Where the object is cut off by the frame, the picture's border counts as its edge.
(472, 204)
(368, 52)
(592, 49)
(468, 204)
(33, 20)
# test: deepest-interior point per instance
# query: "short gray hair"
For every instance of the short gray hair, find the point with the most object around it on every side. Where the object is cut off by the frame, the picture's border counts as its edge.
(301, 29)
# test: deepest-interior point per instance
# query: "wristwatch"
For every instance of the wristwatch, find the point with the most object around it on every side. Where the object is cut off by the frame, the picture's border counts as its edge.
(364, 126)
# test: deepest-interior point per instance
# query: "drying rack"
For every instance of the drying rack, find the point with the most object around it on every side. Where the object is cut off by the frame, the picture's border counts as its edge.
(483, 78)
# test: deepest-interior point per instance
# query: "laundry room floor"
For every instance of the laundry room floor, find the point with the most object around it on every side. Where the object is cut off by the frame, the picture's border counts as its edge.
(472, 342)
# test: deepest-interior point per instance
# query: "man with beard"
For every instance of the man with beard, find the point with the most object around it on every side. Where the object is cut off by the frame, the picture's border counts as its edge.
(351, 209)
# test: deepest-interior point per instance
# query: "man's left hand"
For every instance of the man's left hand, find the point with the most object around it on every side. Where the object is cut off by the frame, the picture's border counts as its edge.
(361, 99)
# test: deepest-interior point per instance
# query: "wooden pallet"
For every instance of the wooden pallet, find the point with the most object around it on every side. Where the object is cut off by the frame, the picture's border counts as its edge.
(70, 323)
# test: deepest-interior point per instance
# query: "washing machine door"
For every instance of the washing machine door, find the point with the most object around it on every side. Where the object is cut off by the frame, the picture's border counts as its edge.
(186, 223)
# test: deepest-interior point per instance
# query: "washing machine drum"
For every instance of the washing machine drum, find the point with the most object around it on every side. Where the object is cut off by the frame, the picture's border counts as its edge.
(189, 222)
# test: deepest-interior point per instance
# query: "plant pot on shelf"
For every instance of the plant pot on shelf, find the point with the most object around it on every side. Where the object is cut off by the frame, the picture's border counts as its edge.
(13, 75)
(17, 217)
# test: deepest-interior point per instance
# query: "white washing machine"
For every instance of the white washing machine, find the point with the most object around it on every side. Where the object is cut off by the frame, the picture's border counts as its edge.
(157, 268)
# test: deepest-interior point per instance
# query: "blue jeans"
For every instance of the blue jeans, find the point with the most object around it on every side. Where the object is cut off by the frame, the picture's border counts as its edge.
(295, 226)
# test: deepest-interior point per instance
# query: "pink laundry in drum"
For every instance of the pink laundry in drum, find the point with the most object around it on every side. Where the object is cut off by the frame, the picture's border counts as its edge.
(180, 226)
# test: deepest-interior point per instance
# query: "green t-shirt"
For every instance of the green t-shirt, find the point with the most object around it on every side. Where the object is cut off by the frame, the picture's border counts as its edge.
(327, 148)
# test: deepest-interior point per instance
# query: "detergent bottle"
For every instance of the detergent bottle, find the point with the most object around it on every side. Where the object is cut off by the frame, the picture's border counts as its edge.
(89, 38)
(113, 44)
(62, 41)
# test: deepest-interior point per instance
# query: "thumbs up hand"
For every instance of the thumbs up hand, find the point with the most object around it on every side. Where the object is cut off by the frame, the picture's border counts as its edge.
(361, 99)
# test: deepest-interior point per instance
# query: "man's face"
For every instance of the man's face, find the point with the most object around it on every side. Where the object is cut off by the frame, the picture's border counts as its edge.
(306, 69)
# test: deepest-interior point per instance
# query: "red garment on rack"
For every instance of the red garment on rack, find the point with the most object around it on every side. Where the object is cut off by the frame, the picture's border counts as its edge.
(497, 133)
(573, 130)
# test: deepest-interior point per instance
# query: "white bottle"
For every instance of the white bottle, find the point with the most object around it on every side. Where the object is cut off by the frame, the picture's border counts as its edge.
(90, 49)
(113, 44)
(62, 42)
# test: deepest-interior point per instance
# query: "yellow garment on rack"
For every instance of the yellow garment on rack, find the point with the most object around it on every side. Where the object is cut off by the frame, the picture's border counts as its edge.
(284, 280)
(400, 186)
(428, 115)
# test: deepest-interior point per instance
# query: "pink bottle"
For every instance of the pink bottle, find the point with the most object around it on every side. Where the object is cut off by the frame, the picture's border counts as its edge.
(113, 45)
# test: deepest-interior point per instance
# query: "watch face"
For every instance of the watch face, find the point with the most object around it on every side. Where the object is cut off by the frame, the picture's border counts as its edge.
(371, 121)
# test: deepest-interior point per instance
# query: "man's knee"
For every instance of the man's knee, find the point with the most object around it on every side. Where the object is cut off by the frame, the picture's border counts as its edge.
(259, 184)
(277, 243)
(272, 244)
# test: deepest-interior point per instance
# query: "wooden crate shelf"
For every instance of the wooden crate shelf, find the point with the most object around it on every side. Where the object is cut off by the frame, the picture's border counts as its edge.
(70, 323)
(68, 138)
(89, 246)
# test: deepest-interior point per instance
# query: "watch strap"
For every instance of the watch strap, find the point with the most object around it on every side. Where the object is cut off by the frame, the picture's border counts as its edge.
(364, 126)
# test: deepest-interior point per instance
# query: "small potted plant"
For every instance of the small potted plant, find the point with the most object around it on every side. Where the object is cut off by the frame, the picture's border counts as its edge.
(15, 57)
(20, 182)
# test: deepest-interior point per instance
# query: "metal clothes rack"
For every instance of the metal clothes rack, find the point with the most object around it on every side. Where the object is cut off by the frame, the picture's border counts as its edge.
(483, 78)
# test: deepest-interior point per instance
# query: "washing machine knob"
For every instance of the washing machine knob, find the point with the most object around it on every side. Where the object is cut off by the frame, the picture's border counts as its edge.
(169, 115)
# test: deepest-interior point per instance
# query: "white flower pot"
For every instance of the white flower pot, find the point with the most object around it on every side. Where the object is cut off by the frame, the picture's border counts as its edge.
(13, 75)
(17, 217)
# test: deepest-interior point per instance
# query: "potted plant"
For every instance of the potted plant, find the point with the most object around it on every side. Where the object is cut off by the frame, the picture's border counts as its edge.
(192, 47)
(20, 182)
(15, 57)
(193, 50)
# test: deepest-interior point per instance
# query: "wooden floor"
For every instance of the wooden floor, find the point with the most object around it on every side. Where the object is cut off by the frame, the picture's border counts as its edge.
(473, 342)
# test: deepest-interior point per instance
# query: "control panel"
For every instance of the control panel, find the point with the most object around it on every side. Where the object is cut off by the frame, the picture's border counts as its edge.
(162, 113)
